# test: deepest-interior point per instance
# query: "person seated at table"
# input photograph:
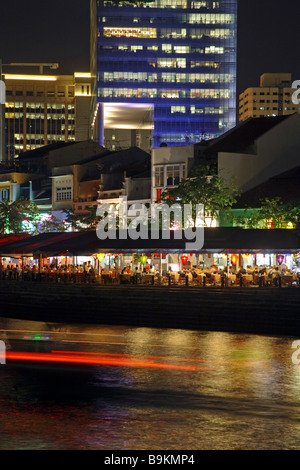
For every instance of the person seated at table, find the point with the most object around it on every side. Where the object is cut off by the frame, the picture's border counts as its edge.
(249, 269)
(137, 274)
(207, 272)
(223, 272)
(151, 269)
(127, 270)
(194, 274)
(92, 274)
(275, 276)
(263, 270)
(214, 269)
(199, 270)
(241, 271)
(282, 268)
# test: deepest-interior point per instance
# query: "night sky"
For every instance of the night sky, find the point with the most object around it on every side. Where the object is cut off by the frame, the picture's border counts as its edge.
(58, 31)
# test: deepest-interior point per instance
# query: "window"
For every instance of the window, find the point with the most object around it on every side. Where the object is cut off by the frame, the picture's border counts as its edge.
(173, 175)
(166, 48)
(64, 193)
(159, 176)
(129, 32)
(4, 194)
(178, 109)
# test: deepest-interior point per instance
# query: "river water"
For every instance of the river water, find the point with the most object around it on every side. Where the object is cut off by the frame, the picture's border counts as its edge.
(146, 389)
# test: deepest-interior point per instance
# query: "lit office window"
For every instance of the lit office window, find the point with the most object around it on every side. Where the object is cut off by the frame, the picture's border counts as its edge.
(179, 63)
(127, 92)
(167, 48)
(182, 49)
(178, 109)
(173, 33)
(210, 93)
(129, 32)
(172, 93)
(214, 50)
(207, 18)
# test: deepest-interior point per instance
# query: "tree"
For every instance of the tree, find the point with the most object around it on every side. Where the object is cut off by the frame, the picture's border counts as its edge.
(18, 216)
(53, 224)
(272, 213)
(86, 221)
(202, 187)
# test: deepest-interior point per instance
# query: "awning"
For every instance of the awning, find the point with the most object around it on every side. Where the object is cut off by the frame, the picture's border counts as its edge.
(216, 240)
(31, 245)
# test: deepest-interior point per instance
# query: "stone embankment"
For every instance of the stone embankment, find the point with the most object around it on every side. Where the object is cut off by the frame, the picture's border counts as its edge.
(265, 311)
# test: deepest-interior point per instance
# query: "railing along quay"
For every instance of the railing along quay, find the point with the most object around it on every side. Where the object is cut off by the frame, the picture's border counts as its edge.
(153, 280)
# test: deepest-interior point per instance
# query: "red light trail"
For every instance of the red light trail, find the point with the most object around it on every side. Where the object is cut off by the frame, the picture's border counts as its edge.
(66, 357)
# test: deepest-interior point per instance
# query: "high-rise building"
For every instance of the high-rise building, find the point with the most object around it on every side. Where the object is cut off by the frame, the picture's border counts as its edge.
(42, 109)
(164, 69)
(272, 98)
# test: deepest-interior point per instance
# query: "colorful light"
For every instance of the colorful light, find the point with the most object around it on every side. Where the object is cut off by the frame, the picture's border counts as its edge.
(68, 357)
(234, 259)
(100, 256)
(143, 259)
(184, 260)
(279, 259)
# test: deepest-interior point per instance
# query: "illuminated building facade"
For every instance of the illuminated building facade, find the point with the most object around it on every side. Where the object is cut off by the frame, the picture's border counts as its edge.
(272, 98)
(42, 109)
(175, 58)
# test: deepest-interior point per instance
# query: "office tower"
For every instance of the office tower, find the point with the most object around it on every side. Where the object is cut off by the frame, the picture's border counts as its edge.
(166, 66)
(272, 98)
(43, 109)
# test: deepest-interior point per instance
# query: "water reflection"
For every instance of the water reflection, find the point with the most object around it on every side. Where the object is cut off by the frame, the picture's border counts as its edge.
(163, 389)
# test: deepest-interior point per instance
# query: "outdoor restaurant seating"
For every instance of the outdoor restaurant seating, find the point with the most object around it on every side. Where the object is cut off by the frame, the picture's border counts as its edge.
(197, 277)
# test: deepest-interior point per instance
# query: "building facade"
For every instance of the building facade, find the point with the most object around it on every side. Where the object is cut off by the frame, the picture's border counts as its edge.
(42, 109)
(168, 67)
(272, 98)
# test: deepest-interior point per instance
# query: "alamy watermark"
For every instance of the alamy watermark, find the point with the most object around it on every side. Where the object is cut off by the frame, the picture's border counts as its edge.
(2, 353)
(155, 222)
(296, 354)
(2, 93)
(295, 95)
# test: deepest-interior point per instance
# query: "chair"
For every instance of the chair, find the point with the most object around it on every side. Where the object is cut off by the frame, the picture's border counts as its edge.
(286, 281)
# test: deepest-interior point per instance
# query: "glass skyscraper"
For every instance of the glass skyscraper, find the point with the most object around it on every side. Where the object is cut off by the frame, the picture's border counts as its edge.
(175, 57)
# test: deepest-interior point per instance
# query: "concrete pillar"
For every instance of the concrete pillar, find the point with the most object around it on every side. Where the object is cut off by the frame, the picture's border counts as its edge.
(100, 119)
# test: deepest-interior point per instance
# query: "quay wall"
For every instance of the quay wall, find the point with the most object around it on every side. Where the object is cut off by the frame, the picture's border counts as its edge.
(263, 311)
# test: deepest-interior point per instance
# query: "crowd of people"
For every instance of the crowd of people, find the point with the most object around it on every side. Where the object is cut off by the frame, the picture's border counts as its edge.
(48, 272)
(213, 275)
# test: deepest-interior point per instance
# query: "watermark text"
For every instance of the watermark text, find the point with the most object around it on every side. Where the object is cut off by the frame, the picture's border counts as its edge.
(2, 353)
(156, 222)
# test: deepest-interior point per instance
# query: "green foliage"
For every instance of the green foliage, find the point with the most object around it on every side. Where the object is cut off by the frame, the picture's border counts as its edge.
(202, 187)
(52, 225)
(12, 215)
(86, 221)
(271, 212)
